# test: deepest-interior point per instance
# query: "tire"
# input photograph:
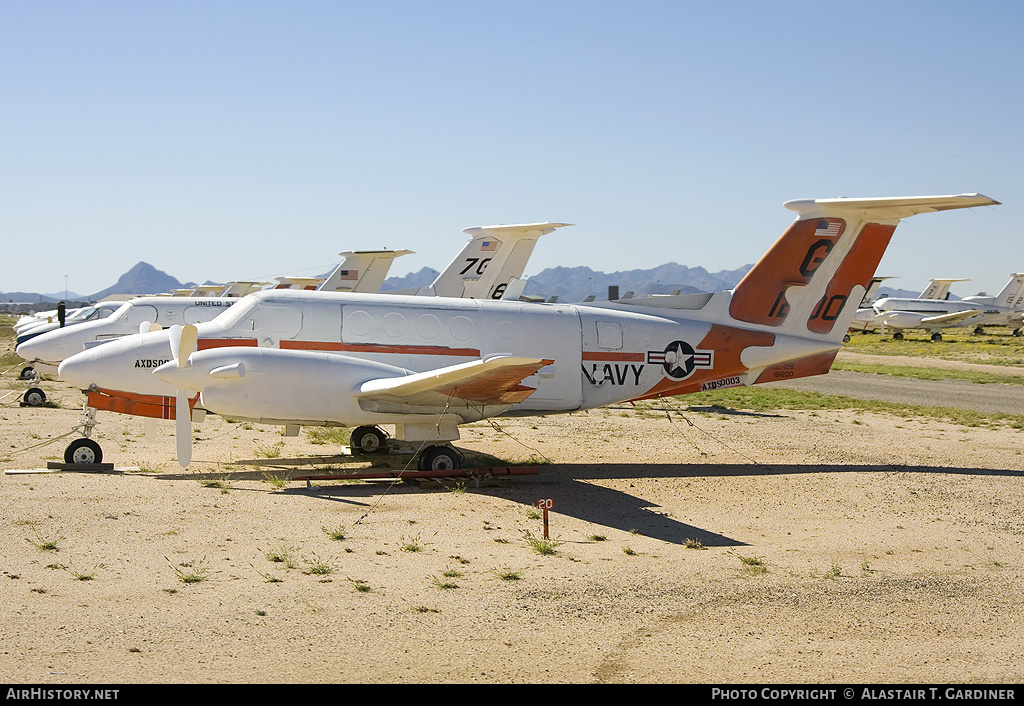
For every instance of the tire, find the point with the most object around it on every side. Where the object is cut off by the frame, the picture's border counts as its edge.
(368, 440)
(440, 458)
(81, 452)
(936, 337)
(846, 338)
(1017, 332)
(898, 336)
(34, 397)
(28, 372)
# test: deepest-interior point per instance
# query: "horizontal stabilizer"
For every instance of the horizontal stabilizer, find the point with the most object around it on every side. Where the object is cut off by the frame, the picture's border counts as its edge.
(888, 208)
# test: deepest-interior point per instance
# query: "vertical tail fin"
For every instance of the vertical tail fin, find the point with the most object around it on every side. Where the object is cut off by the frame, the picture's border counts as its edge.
(493, 256)
(939, 288)
(361, 271)
(825, 258)
(1012, 295)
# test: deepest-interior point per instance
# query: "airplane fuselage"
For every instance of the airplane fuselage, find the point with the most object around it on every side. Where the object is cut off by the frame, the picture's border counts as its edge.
(316, 344)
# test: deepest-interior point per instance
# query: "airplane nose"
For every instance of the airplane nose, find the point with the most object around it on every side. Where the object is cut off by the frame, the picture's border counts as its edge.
(126, 364)
(78, 370)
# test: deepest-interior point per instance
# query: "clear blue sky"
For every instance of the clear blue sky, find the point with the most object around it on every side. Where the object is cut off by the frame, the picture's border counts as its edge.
(234, 140)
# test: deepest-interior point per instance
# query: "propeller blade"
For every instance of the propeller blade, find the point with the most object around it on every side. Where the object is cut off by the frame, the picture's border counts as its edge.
(183, 429)
(187, 344)
(174, 334)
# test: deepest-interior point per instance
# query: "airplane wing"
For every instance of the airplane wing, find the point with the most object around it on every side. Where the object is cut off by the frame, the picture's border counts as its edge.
(951, 318)
(494, 381)
(908, 319)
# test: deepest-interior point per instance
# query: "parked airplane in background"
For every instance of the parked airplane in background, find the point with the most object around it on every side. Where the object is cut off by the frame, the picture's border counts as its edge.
(867, 320)
(299, 358)
(29, 328)
(494, 258)
(939, 288)
(1010, 300)
(936, 314)
(491, 264)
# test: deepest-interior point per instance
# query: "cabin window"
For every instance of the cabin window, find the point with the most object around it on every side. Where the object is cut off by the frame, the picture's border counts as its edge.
(137, 314)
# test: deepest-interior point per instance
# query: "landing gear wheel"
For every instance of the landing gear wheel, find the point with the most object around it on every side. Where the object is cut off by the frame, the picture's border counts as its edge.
(846, 338)
(27, 373)
(1018, 332)
(936, 337)
(979, 331)
(897, 336)
(83, 451)
(368, 440)
(440, 458)
(33, 397)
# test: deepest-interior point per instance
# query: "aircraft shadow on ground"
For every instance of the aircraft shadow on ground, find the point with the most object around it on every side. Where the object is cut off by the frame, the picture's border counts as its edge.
(576, 491)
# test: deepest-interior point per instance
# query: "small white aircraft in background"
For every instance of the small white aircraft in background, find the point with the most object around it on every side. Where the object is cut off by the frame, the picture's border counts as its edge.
(936, 314)
(95, 312)
(359, 271)
(493, 259)
(1010, 301)
(866, 319)
(425, 366)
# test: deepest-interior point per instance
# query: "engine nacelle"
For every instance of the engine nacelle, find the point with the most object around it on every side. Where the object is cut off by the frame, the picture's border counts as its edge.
(276, 386)
(902, 319)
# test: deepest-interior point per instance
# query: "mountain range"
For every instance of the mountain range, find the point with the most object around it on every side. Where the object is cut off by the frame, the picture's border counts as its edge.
(568, 284)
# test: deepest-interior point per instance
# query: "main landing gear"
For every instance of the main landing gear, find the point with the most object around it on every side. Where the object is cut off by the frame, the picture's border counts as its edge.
(437, 457)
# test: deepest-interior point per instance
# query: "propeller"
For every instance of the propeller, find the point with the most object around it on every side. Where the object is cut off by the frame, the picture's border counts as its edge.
(184, 341)
(149, 423)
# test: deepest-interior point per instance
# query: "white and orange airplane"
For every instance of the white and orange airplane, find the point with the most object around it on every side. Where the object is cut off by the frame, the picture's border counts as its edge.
(427, 365)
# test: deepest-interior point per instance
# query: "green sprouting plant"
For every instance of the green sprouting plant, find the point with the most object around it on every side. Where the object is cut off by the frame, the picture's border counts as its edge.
(338, 533)
(445, 584)
(319, 567)
(269, 451)
(46, 544)
(542, 546)
(507, 574)
(192, 571)
(411, 544)
(283, 555)
(753, 564)
(360, 586)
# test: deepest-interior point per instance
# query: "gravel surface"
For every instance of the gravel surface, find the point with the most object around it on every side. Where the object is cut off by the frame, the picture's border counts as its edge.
(791, 547)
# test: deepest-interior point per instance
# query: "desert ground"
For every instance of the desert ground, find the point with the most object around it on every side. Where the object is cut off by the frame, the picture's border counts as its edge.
(695, 546)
